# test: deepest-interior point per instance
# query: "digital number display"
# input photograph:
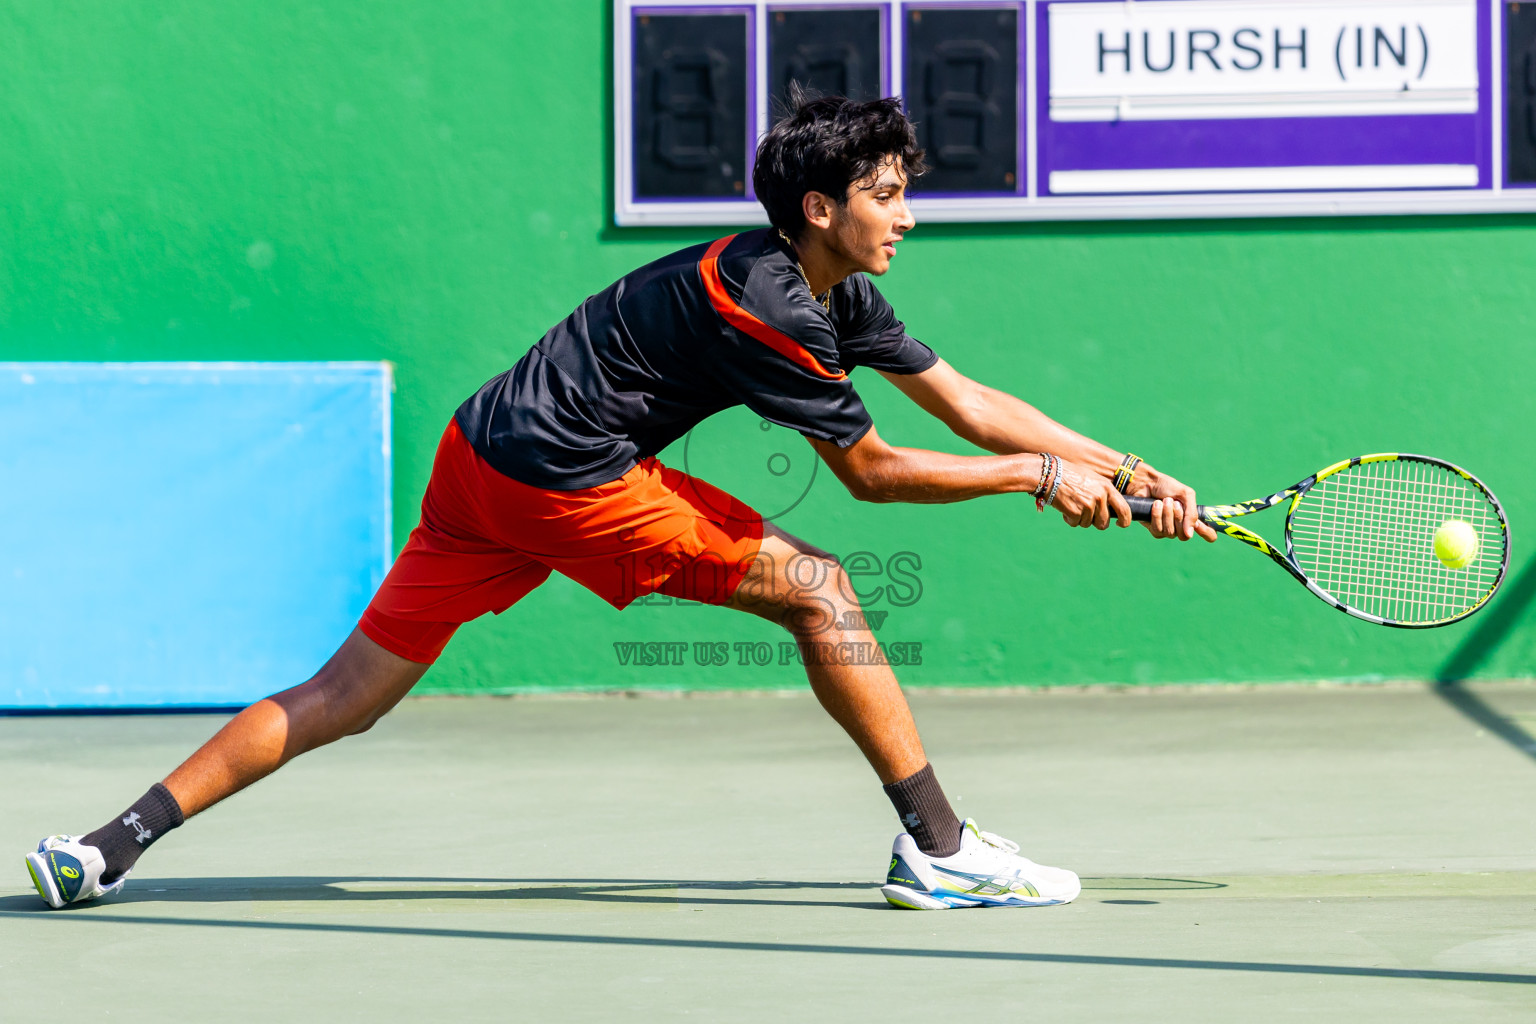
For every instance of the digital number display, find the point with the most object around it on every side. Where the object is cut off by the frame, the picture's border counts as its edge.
(962, 78)
(835, 53)
(690, 119)
(1089, 109)
(1520, 93)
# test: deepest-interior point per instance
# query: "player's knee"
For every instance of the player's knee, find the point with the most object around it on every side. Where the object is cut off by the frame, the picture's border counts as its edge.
(818, 590)
(346, 706)
(366, 724)
(811, 577)
(365, 711)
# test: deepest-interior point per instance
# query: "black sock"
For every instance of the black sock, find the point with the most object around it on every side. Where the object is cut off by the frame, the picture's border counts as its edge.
(925, 813)
(122, 839)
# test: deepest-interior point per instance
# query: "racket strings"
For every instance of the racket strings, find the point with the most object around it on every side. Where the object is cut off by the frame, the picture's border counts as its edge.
(1432, 496)
(1366, 535)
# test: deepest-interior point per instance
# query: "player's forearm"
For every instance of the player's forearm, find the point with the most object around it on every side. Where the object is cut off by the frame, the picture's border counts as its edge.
(925, 477)
(1001, 423)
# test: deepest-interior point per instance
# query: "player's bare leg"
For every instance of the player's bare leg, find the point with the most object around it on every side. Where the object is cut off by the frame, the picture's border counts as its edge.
(357, 686)
(938, 863)
(804, 589)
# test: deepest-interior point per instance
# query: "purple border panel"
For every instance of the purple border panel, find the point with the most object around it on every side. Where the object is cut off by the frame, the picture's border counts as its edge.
(1042, 64)
(750, 157)
(1262, 142)
(1485, 96)
(750, 11)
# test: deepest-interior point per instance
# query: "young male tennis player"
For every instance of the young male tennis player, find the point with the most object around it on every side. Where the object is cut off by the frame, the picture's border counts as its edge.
(551, 467)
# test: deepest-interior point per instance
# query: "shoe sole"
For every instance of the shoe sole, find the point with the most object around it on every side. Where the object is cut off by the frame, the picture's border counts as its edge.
(37, 867)
(911, 899)
(902, 898)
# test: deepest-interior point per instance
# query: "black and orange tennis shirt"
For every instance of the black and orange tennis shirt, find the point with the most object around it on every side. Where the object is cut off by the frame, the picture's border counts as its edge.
(642, 362)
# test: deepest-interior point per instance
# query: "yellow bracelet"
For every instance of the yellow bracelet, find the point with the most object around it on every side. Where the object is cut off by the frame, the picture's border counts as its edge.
(1126, 473)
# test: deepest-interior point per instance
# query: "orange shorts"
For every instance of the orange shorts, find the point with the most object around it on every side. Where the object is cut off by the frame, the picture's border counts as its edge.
(485, 541)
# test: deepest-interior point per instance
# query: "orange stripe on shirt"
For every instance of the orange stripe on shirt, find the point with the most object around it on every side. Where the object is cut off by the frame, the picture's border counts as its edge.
(745, 322)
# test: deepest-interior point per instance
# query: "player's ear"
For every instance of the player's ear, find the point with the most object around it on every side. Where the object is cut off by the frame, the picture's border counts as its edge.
(817, 208)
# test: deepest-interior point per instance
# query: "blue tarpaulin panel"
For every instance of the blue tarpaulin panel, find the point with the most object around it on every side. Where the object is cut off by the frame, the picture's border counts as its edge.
(185, 534)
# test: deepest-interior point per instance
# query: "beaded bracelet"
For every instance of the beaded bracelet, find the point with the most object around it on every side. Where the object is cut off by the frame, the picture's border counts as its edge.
(1126, 473)
(1040, 494)
(1052, 497)
(1045, 469)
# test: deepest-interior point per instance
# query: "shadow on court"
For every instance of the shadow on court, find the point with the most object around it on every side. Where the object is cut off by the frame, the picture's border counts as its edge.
(513, 891)
(819, 949)
(1498, 621)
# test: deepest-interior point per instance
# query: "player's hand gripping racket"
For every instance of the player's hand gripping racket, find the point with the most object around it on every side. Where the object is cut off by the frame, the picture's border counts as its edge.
(1400, 540)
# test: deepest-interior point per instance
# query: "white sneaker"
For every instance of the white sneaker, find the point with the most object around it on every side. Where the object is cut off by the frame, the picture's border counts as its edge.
(65, 870)
(986, 872)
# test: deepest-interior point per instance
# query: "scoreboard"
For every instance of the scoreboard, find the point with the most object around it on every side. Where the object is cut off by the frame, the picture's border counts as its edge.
(1094, 109)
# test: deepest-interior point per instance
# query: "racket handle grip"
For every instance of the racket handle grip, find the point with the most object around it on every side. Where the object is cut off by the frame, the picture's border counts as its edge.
(1141, 509)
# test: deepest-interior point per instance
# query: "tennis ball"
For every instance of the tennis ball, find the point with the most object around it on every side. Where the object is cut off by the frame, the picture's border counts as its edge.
(1455, 544)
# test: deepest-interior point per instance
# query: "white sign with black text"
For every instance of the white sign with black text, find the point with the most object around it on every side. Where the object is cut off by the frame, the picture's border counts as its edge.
(1203, 59)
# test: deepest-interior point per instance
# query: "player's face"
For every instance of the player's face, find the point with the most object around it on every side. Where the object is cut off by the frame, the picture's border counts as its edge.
(866, 229)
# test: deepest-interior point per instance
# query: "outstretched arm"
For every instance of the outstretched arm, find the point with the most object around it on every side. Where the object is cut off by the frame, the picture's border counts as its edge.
(875, 471)
(1001, 423)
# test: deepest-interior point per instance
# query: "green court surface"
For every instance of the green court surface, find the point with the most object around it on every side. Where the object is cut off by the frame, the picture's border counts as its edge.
(1351, 854)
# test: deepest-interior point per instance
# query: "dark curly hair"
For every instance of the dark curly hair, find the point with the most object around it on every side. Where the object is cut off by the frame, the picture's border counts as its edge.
(825, 144)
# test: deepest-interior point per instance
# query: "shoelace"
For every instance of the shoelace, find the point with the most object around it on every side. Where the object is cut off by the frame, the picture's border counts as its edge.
(993, 839)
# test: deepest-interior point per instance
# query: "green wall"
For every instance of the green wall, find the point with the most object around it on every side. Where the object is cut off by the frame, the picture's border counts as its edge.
(428, 184)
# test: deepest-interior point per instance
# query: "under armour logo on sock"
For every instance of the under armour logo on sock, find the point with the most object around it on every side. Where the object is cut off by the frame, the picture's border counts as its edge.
(911, 820)
(144, 834)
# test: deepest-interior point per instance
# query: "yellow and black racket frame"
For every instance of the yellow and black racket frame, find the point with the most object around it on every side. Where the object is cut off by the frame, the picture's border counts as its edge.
(1219, 518)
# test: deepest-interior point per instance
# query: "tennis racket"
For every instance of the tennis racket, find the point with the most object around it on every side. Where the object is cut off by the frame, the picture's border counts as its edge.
(1361, 536)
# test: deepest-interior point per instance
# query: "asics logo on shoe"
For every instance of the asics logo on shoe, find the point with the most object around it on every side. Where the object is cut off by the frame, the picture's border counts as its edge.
(911, 820)
(144, 834)
(988, 885)
(67, 874)
(898, 872)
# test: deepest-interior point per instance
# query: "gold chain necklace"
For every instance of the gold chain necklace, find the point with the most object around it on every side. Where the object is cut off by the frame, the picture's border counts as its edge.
(825, 298)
